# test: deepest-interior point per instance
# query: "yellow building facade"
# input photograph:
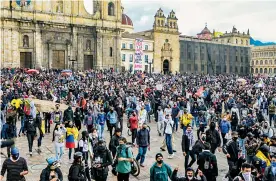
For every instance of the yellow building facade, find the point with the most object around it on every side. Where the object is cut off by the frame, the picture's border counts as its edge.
(263, 60)
(60, 34)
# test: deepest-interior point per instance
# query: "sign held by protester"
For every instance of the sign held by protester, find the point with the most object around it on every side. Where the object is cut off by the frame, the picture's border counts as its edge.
(138, 54)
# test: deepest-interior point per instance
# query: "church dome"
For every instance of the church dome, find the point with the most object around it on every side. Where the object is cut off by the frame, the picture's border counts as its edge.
(127, 24)
(126, 20)
(205, 31)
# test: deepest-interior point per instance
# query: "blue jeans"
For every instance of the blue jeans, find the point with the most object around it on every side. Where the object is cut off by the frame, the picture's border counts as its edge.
(195, 122)
(169, 143)
(141, 154)
(101, 131)
(242, 146)
(175, 125)
(22, 125)
(59, 152)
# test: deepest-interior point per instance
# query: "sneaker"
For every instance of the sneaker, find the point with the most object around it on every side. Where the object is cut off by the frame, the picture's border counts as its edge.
(160, 134)
(174, 151)
(162, 149)
(31, 153)
(171, 156)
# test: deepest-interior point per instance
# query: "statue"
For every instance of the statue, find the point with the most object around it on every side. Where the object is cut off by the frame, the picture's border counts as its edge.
(88, 45)
(25, 41)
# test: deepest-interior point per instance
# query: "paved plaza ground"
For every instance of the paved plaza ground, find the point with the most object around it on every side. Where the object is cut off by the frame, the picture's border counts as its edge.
(37, 162)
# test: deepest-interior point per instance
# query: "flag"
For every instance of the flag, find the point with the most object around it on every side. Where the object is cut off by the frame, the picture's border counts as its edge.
(199, 91)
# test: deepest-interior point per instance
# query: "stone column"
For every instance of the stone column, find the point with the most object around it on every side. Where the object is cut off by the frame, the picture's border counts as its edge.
(74, 47)
(15, 54)
(99, 50)
(38, 47)
(80, 53)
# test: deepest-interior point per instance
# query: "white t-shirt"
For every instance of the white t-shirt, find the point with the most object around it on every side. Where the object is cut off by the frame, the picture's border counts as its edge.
(60, 137)
(84, 145)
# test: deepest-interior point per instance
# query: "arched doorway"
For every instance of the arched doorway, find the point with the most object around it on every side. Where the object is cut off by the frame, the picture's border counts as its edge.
(166, 67)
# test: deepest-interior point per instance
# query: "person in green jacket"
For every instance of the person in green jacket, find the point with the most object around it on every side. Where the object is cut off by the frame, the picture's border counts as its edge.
(160, 171)
(124, 157)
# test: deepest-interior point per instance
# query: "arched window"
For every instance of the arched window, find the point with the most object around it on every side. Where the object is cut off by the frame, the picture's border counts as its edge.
(236, 41)
(158, 22)
(256, 71)
(110, 52)
(252, 70)
(111, 9)
(270, 62)
(170, 24)
(266, 62)
(257, 62)
(242, 42)
(261, 62)
(275, 62)
(252, 62)
(265, 70)
(162, 22)
(270, 70)
(274, 70)
(174, 25)
(25, 41)
(261, 70)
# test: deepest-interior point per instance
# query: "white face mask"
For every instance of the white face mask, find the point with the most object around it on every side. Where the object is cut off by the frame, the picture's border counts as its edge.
(190, 178)
(246, 176)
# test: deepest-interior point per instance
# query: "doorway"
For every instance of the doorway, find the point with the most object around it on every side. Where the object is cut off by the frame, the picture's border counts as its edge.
(58, 59)
(88, 62)
(25, 59)
(166, 66)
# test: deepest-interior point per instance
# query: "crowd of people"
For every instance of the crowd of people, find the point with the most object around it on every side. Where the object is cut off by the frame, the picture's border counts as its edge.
(223, 113)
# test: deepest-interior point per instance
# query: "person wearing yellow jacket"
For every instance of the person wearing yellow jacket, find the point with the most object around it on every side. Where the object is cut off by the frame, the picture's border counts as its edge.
(16, 102)
(72, 136)
(186, 119)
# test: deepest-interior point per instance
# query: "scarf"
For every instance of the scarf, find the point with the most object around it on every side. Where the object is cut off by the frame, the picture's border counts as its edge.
(190, 137)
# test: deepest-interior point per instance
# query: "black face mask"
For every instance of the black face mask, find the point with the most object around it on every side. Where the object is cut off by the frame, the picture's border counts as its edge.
(203, 138)
(235, 138)
(15, 157)
(159, 161)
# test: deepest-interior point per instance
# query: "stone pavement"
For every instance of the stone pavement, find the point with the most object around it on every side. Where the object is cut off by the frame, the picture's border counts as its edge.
(37, 162)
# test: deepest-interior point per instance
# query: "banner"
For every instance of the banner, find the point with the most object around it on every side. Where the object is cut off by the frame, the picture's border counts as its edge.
(138, 54)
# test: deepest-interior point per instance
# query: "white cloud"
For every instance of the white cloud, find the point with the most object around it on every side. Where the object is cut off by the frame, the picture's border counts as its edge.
(258, 16)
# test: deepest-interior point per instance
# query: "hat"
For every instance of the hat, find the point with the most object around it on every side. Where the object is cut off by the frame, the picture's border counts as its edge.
(14, 151)
(158, 155)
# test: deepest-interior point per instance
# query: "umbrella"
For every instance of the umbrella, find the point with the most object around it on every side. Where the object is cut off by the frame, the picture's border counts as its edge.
(32, 71)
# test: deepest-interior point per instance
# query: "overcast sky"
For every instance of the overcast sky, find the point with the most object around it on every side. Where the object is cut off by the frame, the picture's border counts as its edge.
(258, 16)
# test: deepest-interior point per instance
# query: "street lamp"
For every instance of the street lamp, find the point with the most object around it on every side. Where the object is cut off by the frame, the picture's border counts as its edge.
(150, 62)
(73, 62)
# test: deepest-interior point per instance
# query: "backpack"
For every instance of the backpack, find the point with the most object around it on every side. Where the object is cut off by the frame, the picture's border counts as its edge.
(208, 167)
(27, 107)
(71, 171)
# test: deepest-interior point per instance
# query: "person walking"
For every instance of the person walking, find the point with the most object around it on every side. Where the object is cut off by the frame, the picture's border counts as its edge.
(133, 121)
(186, 120)
(114, 142)
(15, 166)
(175, 116)
(168, 134)
(213, 137)
(188, 142)
(78, 118)
(160, 121)
(143, 143)
(245, 173)
(112, 118)
(225, 128)
(160, 171)
(77, 170)
(71, 136)
(52, 172)
(189, 176)
(270, 171)
(272, 113)
(101, 119)
(207, 163)
(101, 160)
(231, 150)
(30, 128)
(124, 158)
(59, 139)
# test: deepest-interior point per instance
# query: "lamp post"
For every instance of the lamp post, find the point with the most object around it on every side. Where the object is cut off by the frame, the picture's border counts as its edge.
(150, 62)
(73, 62)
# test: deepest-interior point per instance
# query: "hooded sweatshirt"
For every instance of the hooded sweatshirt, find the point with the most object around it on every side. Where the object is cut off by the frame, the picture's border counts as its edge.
(160, 173)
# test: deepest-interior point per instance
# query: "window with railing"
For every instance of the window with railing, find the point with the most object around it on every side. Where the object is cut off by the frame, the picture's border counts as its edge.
(130, 58)
(124, 46)
(146, 59)
(131, 46)
(123, 57)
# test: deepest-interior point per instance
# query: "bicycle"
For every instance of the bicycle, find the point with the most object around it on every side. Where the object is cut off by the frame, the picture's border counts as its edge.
(135, 167)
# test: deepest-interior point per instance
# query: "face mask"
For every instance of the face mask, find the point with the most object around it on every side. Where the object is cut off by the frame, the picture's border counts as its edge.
(190, 178)
(265, 126)
(235, 138)
(273, 163)
(188, 131)
(159, 161)
(94, 135)
(15, 157)
(246, 176)
(203, 138)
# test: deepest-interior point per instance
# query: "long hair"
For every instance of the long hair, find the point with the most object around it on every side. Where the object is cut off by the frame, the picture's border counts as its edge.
(54, 133)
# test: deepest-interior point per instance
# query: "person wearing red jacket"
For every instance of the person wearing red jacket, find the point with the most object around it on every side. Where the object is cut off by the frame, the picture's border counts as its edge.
(133, 121)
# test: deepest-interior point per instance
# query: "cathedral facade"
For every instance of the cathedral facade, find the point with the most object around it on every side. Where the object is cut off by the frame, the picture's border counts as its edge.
(60, 34)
